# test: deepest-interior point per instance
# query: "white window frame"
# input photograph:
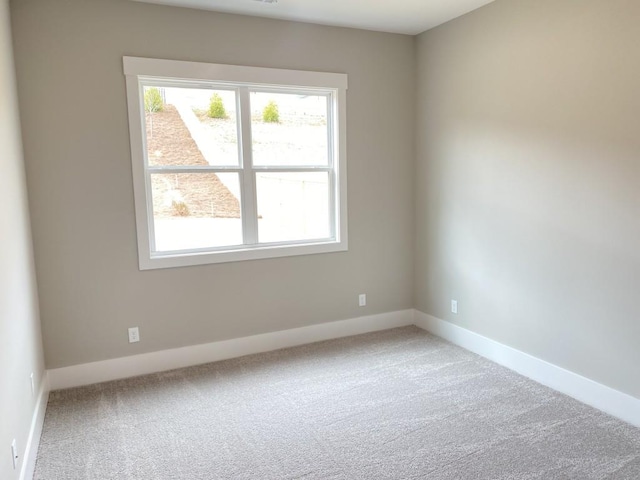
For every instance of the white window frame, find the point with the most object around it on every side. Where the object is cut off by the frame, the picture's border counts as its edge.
(145, 71)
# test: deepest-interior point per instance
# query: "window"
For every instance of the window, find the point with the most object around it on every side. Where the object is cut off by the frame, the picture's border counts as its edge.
(235, 163)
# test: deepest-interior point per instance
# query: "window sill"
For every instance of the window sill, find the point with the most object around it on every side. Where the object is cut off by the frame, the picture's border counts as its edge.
(172, 260)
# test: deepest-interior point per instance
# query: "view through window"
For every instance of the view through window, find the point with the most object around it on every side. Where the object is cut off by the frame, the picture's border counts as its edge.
(188, 128)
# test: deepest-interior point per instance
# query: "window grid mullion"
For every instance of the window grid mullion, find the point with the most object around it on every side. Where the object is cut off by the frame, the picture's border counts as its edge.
(218, 169)
(248, 201)
(194, 169)
(292, 169)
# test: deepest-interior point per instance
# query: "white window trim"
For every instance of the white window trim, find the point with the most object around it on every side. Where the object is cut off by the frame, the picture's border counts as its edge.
(136, 68)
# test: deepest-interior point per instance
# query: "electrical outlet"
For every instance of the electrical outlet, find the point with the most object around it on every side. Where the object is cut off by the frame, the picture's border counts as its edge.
(134, 335)
(362, 299)
(14, 454)
(33, 384)
(454, 306)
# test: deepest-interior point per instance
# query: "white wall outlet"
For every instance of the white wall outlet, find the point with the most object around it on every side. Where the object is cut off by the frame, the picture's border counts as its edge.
(14, 454)
(33, 384)
(362, 299)
(134, 335)
(454, 306)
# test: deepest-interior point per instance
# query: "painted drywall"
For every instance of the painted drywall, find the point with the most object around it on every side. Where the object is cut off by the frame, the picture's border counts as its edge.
(20, 340)
(73, 105)
(528, 180)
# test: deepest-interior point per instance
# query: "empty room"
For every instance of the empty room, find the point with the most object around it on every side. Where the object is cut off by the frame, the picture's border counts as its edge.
(319, 239)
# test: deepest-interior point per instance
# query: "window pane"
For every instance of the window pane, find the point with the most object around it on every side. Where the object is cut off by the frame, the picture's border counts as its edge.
(289, 129)
(191, 126)
(196, 210)
(292, 206)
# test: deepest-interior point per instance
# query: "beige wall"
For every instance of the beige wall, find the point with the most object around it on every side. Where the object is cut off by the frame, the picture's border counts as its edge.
(528, 180)
(72, 93)
(20, 342)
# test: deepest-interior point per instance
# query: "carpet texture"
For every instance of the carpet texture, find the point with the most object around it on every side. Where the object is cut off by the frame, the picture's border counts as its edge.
(397, 404)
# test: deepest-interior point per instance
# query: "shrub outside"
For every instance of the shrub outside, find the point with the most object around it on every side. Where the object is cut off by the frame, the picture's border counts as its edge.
(216, 107)
(270, 114)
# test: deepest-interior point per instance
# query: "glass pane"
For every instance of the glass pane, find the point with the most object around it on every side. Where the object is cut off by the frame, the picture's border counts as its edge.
(196, 210)
(292, 206)
(289, 129)
(191, 126)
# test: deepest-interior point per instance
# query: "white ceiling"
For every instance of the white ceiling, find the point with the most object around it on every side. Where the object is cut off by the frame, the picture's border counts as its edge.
(398, 16)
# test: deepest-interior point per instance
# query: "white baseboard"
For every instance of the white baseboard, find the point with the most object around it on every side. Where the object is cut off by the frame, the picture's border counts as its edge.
(37, 422)
(142, 364)
(606, 399)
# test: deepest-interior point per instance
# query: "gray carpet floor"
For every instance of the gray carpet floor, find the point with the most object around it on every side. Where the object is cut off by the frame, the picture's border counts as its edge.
(397, 404)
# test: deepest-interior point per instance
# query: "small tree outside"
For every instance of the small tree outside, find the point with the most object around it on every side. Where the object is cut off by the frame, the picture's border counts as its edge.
(270, 114)
(216, 107)
(153, 103)
(153, 100)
